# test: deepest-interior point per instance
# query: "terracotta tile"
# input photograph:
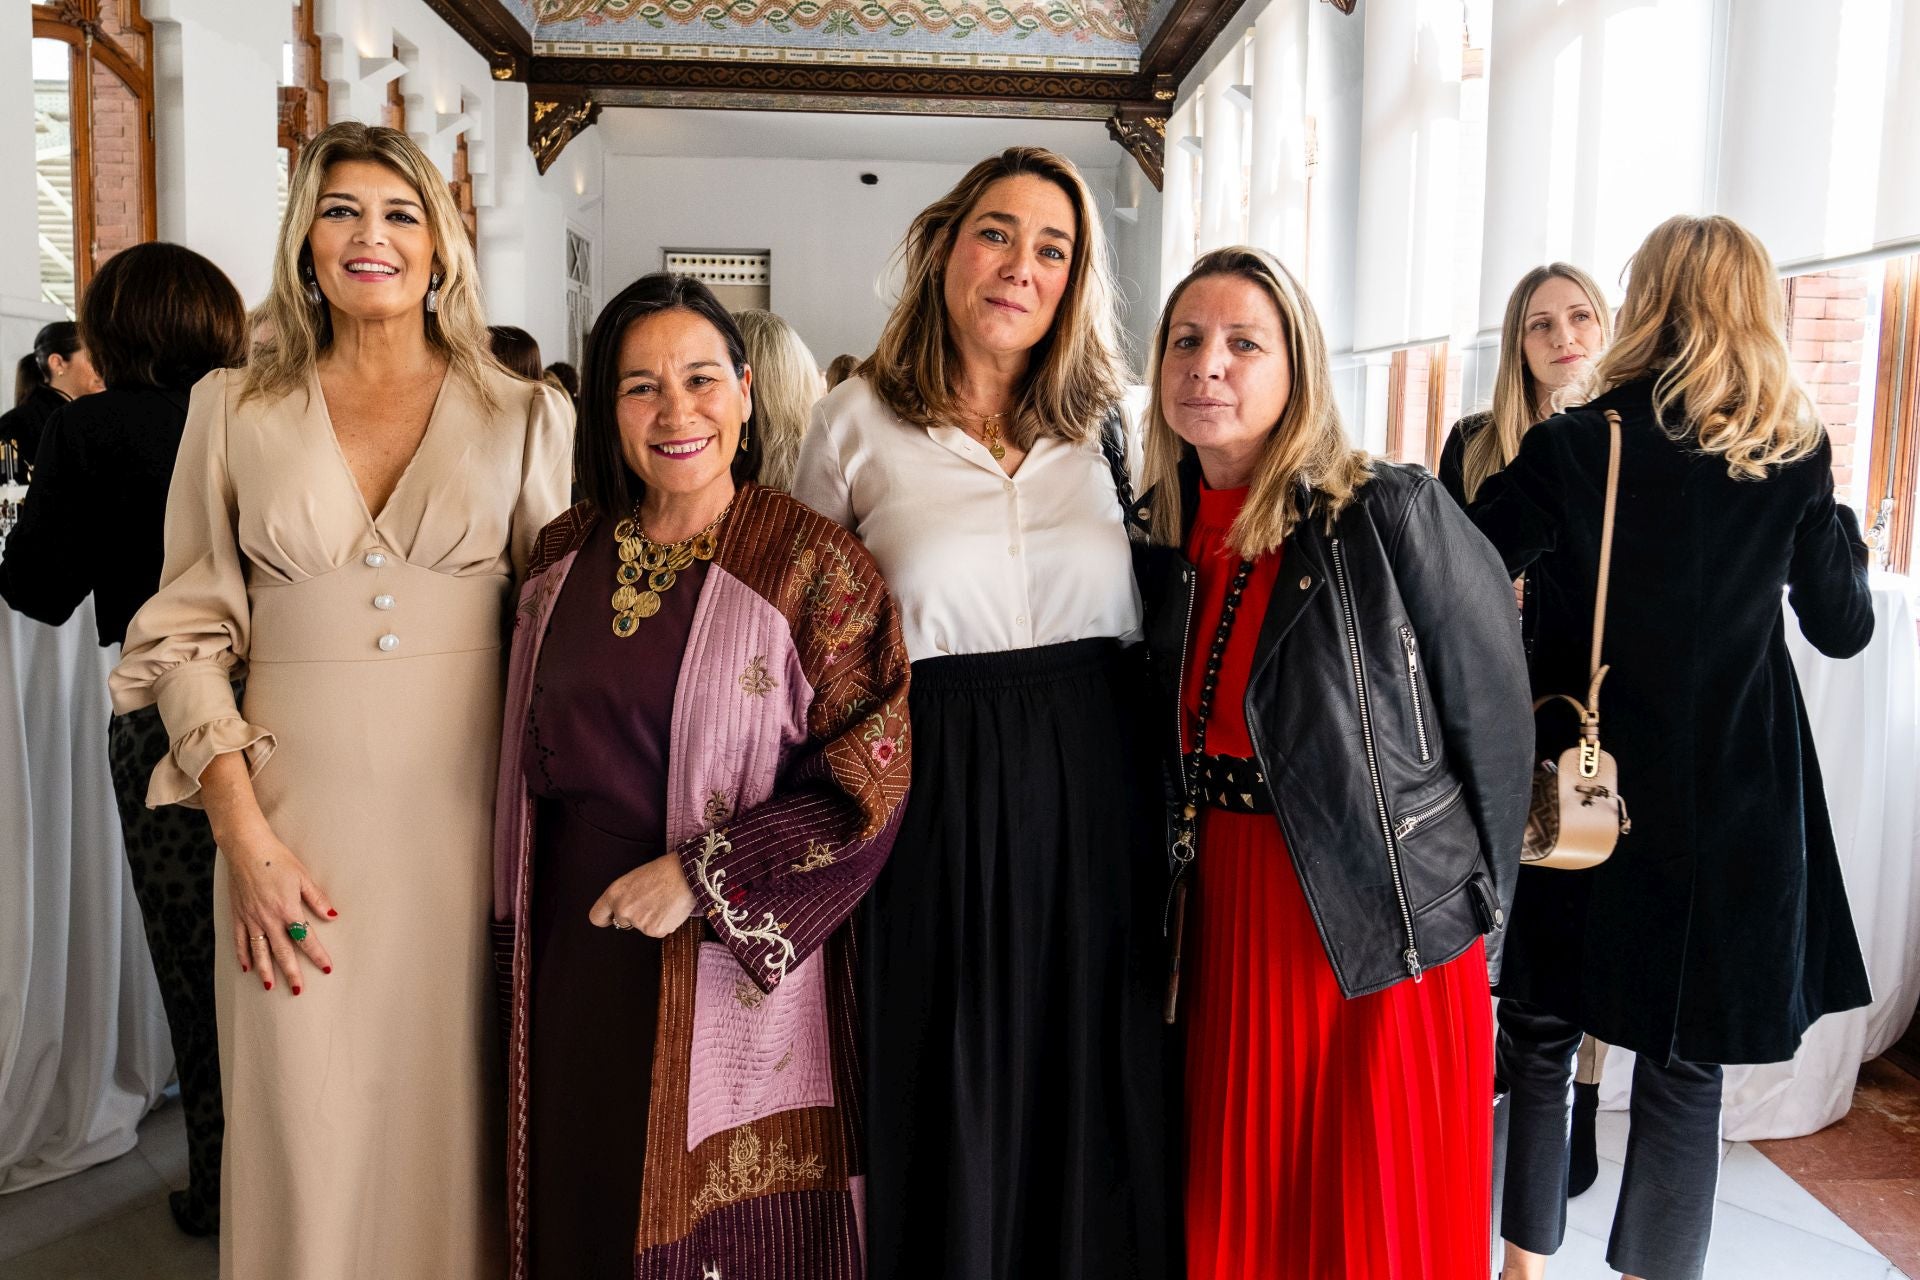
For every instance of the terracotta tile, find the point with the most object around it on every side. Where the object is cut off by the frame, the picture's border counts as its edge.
(1878, 1138)
(1885, 1211)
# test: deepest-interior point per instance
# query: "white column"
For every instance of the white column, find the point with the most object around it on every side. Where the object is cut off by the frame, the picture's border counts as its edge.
(1176, 201)
(1277, 202)
(216, 124)
(1221, 128)
(21, 310)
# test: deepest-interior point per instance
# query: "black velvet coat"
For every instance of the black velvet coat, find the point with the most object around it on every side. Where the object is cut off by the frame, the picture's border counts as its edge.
(1719, 930)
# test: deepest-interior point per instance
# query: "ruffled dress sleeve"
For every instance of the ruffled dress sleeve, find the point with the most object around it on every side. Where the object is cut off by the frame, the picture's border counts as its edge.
(187, 644)
(545, 475)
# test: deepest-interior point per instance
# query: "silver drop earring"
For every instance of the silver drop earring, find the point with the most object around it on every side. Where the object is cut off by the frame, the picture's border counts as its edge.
(433, 293)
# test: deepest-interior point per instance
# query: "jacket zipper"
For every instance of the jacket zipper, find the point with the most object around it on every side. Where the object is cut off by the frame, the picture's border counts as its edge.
(1409, 824)
(1411, 956)
(1413, 682)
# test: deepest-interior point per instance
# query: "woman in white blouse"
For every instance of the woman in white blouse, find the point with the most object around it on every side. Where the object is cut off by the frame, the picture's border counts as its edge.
(1016, 1104)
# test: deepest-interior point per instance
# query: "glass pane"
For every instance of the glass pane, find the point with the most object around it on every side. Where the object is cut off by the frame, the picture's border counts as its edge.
(53, 168)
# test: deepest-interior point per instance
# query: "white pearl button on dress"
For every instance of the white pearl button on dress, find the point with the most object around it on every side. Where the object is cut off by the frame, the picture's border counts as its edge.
(375, 559)
(389, 642)
(383, 602)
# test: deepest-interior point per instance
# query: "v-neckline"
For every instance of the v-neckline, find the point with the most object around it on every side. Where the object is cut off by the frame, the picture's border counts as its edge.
(969, 447)
(346, 468)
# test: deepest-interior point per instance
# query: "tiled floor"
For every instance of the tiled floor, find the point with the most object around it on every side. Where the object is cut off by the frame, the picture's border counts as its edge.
(111, 1222)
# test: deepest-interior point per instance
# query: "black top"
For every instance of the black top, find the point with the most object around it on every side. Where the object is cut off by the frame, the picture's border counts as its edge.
(1719, 930)
(93, 518)
(23, 423)
(1453, 454)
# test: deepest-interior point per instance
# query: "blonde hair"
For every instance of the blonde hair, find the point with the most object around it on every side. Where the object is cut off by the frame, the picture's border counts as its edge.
(1704, 319)
(1517, 402)
(1073, 380)
(786, 382)
(1306, 467)
(300, 331)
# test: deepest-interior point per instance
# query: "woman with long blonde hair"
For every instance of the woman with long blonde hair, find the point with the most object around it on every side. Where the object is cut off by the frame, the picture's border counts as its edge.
(787, 384)
(346, 521)
(1557, 325)
(1343, 698)
(1015, 1110)
(1718, 930)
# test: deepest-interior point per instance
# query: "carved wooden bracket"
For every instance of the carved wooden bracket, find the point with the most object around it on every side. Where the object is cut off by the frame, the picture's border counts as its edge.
(1344, 6)
(1142, 130)
(554, 121)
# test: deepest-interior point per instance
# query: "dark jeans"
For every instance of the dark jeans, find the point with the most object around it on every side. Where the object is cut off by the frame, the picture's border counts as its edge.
(1665, 1212)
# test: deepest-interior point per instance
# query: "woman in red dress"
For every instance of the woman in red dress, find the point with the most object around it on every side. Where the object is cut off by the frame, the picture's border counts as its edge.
(1353, 758)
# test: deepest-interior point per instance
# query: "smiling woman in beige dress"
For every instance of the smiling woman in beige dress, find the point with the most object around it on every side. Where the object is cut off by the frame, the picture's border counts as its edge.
(347, 517)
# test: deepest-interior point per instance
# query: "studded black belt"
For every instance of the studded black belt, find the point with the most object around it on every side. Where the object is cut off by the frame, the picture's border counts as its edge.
(1233, 783)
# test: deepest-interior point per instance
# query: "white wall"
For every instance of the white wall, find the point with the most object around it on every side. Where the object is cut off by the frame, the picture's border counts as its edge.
(830, 237)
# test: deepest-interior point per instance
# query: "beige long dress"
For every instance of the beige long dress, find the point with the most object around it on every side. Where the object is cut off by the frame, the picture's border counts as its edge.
(362, 1115)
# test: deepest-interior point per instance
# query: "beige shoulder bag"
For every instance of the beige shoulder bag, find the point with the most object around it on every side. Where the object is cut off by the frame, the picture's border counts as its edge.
(1577, 814)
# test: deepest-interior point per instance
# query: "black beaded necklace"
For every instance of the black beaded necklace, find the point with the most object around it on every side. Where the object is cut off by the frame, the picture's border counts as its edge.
(1184, 845)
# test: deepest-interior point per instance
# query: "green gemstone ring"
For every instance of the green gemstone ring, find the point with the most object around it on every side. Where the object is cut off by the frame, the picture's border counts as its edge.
(297, 931)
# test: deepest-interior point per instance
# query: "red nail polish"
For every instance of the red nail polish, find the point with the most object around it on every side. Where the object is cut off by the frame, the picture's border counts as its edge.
(296, 991)
(246, 968)
(326, 968)
(269, 986)
(331, 912)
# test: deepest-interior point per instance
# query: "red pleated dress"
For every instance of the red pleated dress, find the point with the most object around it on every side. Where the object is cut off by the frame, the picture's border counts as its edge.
(1327, 1138)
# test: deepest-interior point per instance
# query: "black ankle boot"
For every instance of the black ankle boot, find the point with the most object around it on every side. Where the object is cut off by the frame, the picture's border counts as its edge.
(192, 1218)
(1583, 1159)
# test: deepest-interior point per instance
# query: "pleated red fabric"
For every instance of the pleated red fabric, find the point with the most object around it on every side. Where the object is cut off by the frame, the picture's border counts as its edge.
(1327, 1139)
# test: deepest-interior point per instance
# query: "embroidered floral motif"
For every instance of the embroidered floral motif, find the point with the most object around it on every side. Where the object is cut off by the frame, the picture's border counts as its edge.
(749, 996)
(737, 922)
(750, 1172)
(754, 681)
(718, 810)
(831, 592)
(785, 1062)
(819, 854)
(885, 733)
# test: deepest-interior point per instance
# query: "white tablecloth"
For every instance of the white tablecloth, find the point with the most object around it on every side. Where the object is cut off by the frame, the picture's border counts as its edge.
(1865, 713)
(83, 1038)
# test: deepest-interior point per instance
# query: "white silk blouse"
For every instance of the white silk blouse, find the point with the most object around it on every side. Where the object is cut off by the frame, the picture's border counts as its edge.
(978, 561)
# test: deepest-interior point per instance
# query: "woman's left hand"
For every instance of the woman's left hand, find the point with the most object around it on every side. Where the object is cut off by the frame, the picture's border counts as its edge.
(653, 898)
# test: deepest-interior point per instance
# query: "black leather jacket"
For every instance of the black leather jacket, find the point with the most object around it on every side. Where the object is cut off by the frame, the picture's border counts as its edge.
(1389, 708)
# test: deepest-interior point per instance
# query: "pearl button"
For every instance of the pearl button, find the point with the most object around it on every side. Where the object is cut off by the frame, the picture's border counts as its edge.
(389, 642)
(383, 602)
(1020, 618)
(375, 559)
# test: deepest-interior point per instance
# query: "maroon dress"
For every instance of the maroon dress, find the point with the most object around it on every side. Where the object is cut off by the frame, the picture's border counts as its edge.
(596, 759)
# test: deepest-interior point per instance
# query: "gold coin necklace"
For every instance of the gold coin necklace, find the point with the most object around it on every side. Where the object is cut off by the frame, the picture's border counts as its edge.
(661, 563)
(990, 433)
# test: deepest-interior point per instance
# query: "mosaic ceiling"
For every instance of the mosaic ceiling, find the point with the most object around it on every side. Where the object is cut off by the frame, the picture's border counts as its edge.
(1027, 35)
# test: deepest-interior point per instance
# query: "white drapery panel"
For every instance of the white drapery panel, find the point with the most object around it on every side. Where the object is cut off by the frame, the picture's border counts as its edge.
(83, 1038)
(1821, 109)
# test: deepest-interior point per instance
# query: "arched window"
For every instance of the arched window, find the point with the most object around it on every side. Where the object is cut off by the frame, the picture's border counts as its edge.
(93, 133)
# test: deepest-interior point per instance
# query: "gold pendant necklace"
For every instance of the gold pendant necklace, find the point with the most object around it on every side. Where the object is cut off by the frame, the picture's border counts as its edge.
(990, 434)
(662, 562)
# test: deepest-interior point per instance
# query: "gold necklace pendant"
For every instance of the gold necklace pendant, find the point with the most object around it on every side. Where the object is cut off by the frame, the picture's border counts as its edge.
(990, 434)
(661, 563)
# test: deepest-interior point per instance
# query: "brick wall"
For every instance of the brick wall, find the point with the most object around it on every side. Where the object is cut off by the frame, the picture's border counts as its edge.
(1826, 330)
(118, 137)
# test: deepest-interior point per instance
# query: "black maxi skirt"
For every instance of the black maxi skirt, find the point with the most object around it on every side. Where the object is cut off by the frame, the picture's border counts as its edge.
(1019, 1118)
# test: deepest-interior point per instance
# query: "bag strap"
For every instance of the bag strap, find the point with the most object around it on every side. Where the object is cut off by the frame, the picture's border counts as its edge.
(1606, 550)
(1113, 445)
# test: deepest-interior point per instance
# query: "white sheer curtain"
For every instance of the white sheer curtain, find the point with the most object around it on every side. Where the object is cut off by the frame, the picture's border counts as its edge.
(83, 1039)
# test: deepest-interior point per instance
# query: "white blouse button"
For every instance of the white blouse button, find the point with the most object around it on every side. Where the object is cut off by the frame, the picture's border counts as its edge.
(389, 642)
(1009, 486)
(383, 602)
(1020, 618)
(375, 559)
(1013, 551)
